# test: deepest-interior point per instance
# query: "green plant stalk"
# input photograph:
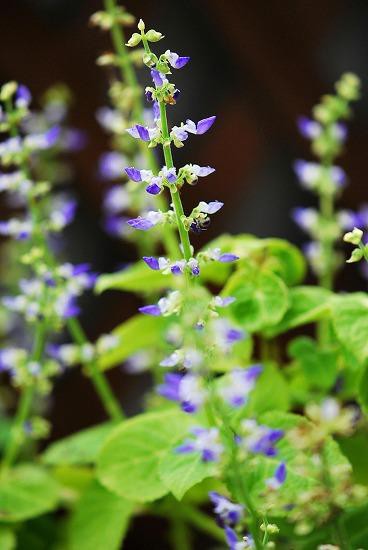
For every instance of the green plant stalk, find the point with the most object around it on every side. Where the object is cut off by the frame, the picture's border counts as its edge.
(129, 76)
(174, 192)
(191, 515)
(238, 487)
(98, 379)
(326, 279)
(180, 534)
(169, 163)
(186, 246)
(24, 405)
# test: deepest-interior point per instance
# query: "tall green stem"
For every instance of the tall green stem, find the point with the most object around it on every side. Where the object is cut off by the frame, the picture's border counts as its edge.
(16, 436)
(129, 76)
(98, 379)
(175, 195)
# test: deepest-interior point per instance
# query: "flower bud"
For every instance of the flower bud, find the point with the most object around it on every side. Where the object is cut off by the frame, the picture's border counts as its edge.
(134, 40)
(354, 237)
(348, 86)
(141, 25)
(356, 256)
(154, 36)
(8, 90)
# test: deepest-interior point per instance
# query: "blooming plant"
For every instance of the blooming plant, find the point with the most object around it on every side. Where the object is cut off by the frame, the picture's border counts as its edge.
(247, 439)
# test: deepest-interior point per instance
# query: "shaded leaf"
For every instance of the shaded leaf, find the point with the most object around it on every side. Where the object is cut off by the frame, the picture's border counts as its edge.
(180, 472)
(135, 278)
(80, 448)
(128, 463)
(99, 520)
(26, 492)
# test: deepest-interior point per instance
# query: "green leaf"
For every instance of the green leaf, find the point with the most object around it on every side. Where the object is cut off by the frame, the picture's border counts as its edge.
(129, 461)
(355, 448)
(7, 538)
(350, 320)
(308, 304)
(136, 334)
(318, 365)
(180, 472)
(363, 390)
(26, 492)
(80, 448)
(270, 393)
(99, 521)
(261, 298)
(285, 259)
(135, 278)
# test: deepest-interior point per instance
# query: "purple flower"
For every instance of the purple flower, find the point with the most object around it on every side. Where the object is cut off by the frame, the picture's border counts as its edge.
(227, 258)
(153, 189)
(261, 439)
(69, 308)
(157, 77)
(309, 128)
(23, 96)
(115, 226)
(156, 110)
(152, 309)
(148, 95)
(205, 124)
(111, 165)
(278, 478)
(227, 511)
(139, 132)
(133, 173)
(52, 135)
(143, 224)
(175, 60)
(338, 176)
(308, 173)
(235, 543)
(206, 442)
(185, 389)
(152, 262)
(210, 207)
(151, 219)
(305, 218)
(202, 171)
(241, 383)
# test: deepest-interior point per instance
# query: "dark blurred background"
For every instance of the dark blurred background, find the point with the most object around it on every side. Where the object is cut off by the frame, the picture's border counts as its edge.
(256, 64)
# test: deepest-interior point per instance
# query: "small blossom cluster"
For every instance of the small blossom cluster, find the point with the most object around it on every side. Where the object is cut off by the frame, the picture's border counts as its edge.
(53, 294)
(327, 134)
(24, 372)
(69, 355)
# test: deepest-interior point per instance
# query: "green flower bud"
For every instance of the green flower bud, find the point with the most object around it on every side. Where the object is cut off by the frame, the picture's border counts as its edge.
(154, 36)
(354, 237)
(134, 40)
(149, 59)
(348, 86)
(356, 256)
(141, 25)
(8, 90)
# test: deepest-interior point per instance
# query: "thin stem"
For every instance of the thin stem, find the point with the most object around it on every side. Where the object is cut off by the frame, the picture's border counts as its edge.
(98, 379)
(16, 437)
(180, 534)
(175, 195)
(129, 76)
(238, 488)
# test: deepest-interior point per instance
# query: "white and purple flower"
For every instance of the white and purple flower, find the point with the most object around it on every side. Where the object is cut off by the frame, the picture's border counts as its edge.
(186, 389)
(206, 442)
